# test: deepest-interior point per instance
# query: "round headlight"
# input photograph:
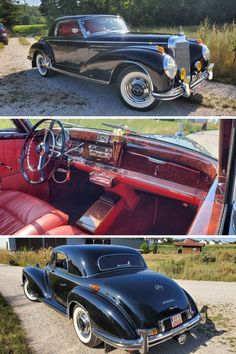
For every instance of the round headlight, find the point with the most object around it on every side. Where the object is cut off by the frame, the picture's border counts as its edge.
(205, 52)
(169, 66)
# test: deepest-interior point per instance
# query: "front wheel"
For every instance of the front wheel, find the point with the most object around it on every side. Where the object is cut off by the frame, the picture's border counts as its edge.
(135, 89)
(83, 327)
(42, 64)
(28, 292)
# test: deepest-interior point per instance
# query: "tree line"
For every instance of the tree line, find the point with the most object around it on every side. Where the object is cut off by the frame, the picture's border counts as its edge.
(136, 12)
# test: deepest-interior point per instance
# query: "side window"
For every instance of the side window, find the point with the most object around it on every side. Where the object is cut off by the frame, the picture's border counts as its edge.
(61, 261)
(73, 269)
(69, 28)
(6, 124)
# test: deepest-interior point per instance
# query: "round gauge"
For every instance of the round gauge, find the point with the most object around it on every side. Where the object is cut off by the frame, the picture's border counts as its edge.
(59, 138)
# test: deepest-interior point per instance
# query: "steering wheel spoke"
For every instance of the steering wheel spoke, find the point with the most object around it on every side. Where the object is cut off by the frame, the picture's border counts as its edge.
(41, 144)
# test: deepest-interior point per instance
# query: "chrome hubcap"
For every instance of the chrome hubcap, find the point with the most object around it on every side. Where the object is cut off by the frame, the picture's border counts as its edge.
(138, 89)
(42, 64)
(83, 324)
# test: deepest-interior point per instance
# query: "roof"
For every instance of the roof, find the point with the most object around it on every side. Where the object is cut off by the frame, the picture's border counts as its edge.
(188, 243)
(85, 257)
(83, 16)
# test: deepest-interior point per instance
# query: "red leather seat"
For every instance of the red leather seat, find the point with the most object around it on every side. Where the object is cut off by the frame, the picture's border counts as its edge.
(66, 230)
(23, 214)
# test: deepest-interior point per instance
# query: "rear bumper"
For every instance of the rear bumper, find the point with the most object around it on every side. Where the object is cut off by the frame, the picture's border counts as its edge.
(185, 89)
(144, 342)
(4, 37)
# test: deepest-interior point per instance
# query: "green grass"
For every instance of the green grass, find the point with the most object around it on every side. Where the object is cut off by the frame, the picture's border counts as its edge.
(191, 267)
(30, 29)
(6, 124)
(12, 335)
(1, 45)
(23, 41)
(148, 126)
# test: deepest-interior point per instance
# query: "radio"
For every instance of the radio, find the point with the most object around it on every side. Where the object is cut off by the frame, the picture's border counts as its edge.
(100, 152)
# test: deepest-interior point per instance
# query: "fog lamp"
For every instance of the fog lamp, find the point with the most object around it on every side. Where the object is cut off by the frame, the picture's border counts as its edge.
(198, 66)
(183, 73)
(182, 338)
(153, 332)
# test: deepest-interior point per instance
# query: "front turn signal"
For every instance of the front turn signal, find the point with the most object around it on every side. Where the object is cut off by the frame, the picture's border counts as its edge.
(183, 74)
(200, 41)
(94, 287)
(198, 66)
(160, 49)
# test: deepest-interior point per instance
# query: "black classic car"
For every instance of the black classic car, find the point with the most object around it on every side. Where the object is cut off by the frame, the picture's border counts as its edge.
(146, 67)
(112, 297)
(59, 178)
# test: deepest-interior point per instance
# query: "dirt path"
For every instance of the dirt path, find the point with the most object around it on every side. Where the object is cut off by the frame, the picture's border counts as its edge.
(24, 92)
(50, 333)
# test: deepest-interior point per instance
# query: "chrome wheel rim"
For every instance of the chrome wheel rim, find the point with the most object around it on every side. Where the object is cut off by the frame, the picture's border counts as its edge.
(82, 325)
(41, 64)
(136, 89)
(29, 293)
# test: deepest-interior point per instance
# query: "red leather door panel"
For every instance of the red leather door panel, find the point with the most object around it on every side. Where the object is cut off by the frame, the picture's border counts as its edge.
(10, 152)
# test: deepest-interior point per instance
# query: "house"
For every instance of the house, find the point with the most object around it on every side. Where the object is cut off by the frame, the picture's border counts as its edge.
(188, 246)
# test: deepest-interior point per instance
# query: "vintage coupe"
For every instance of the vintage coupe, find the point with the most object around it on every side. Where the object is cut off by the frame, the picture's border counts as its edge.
(112, 297)
(147, 68)
(61, 179)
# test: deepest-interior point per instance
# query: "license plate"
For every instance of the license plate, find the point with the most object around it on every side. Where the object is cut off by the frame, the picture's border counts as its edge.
(176, 320)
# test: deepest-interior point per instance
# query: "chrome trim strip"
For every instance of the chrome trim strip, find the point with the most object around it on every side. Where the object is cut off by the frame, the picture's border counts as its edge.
(118, 342)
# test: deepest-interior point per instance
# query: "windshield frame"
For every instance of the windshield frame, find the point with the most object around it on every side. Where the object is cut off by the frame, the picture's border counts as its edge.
(87, 35)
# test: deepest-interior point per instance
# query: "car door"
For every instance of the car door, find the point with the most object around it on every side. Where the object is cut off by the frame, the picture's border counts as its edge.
(69, 46)
(59, 278)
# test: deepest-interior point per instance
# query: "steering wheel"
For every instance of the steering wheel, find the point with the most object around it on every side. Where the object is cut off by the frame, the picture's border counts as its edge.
(39, 149)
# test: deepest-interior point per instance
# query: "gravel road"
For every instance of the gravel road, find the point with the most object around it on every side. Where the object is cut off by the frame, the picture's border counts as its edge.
(50, 333)
(23, 92)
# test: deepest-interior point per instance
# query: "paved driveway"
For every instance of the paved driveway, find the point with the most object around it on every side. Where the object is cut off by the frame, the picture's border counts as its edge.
(50, 333)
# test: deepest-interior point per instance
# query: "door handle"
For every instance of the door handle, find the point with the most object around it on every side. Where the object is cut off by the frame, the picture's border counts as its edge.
(6, 166)
(63, 284)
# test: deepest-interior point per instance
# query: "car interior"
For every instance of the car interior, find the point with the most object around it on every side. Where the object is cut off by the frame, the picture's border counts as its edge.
(59, 180)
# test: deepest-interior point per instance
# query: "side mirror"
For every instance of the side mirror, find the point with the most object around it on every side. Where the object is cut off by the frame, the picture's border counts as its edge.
(37, 265)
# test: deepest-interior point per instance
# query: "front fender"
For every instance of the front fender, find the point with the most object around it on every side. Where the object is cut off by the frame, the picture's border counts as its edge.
(37, 281)
(41, 45)
(105, 315)
(109, 63)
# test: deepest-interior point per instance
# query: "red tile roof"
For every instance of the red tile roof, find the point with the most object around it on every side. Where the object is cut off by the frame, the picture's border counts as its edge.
(188, 243)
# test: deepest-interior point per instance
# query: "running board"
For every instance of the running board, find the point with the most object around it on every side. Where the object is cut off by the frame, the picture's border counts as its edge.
(56, 306)
(78, 76)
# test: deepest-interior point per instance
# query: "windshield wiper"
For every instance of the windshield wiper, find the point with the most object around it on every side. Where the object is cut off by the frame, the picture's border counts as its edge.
(121, 126)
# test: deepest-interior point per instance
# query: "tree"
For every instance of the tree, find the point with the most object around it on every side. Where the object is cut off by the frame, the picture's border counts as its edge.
(9, 12)
(144, 248)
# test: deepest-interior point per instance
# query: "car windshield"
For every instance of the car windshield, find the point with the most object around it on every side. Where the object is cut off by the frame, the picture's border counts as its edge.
(120, 261)
(200, 135)
(95, 26)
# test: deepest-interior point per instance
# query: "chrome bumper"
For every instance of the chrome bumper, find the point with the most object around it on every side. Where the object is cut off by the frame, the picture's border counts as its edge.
(185, 89)
(144, 342)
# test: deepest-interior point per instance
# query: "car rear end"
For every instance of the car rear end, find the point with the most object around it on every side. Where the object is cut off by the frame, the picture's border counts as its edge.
(3, 34)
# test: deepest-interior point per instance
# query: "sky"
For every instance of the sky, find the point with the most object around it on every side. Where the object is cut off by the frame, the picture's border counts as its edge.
(33, 2)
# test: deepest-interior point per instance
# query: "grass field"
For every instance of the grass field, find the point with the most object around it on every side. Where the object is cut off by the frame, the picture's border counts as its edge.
(23, 41)
(12, 336)
(1, 45)
(167, 261)
(192, 267)
(149, 126)
(220, 39)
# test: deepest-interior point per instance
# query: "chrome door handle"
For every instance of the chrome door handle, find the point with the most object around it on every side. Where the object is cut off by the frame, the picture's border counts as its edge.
(63, 284)
(6, 166)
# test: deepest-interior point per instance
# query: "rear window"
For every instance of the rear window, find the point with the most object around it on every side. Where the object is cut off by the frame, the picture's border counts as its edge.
(120, 261)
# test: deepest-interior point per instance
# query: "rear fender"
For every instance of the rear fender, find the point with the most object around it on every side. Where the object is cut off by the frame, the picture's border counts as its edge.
(40, 46)
(37, 281)
(104, 314)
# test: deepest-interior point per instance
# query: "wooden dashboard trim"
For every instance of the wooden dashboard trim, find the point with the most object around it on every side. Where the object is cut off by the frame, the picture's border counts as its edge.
(141, 181)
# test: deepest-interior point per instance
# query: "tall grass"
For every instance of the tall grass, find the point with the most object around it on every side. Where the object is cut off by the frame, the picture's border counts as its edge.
(24, 258)
(192, 267)
(222, 43)
(40, 29)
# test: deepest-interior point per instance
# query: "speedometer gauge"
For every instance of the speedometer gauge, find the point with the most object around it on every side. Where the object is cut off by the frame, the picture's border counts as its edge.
(59, 138)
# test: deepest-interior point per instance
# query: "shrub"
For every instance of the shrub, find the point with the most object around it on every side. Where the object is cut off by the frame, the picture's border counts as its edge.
(154, 248)
(206, 258)
(144, 248)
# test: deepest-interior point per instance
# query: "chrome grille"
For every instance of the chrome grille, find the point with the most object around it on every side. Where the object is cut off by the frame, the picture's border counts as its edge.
(181, 53)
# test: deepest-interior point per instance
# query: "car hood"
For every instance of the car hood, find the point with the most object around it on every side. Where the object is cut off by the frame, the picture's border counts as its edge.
(134, 37)
(145, 296)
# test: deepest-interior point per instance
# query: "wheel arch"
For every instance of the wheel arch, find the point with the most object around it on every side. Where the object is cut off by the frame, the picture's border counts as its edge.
(40, 47)
(99, 308)
(124, 65)
(36, 279)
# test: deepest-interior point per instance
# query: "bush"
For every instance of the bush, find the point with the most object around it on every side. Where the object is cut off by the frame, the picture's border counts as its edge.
(144, 248)
(30, 29)
(206, 258)
(154, 248)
